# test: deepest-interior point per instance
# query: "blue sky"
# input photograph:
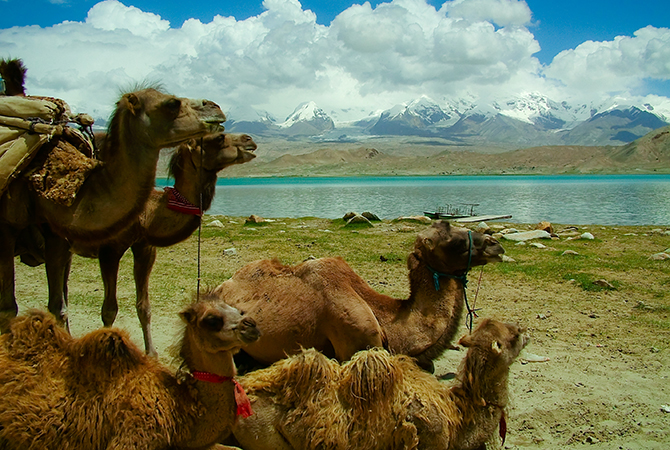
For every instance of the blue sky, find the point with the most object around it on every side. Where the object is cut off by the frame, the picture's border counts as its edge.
(527, 36)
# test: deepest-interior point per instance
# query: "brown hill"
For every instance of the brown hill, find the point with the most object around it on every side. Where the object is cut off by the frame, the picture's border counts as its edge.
(649, 154)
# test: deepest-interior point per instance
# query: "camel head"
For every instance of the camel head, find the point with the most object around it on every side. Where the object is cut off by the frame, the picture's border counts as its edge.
(497, 341)
(160, 120)
(220, 151)
(13, 72)
(213, 327)
(449, 249)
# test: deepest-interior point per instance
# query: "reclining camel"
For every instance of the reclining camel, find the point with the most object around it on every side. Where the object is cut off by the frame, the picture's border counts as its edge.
(165, 221)
(113, 195)
(377, 401)
(324, 304)
(102, 392)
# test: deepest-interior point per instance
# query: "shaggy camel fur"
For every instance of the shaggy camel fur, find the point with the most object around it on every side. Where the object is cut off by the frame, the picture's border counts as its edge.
(102, 392)
(161, 224)
(13, 72)
(380, 401)
(324, 304)
(112, 196)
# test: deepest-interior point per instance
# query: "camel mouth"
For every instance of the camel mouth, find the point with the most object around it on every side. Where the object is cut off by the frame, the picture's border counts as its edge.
(214, 125)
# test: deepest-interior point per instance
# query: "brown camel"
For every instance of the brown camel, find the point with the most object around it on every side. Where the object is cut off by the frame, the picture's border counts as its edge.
(13, 72)
(382, 401)
(163, 222)
(324, 304)
(102, 391)
(112, 196)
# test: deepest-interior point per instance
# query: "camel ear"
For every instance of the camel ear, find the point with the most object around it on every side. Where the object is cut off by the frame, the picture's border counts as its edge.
(134, 103)
(466, 341)
(429, 243)
(495, 346)
(188, 315)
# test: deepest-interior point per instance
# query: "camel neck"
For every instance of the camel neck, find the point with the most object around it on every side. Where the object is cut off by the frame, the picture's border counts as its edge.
(197, 186)
(219, 363)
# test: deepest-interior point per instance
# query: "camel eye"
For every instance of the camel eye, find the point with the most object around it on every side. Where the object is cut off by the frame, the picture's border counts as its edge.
(212, 322)
(173, 106)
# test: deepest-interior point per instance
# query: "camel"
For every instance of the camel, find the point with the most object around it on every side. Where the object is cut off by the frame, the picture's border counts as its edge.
(102, 391)
(113, 195)
(323, 303)
(13, 72)
(161, 224)
(382, 401)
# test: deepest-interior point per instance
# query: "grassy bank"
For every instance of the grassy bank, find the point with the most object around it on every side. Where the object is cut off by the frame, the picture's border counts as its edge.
(617, 255)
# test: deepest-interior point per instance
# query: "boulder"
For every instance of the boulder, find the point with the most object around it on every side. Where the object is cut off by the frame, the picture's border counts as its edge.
(254, 219)
(419, 219)
(349, 215)
(371, 217)
(215, 223)
(483, 228)
(358, 219)
(527, 235)
(546, 226)
(662, 256)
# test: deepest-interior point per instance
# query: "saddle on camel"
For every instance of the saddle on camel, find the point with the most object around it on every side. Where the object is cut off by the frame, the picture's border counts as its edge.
(28, 128)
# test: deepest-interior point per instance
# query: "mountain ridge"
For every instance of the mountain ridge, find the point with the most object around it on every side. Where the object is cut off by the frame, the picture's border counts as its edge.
(649, 154)
(528, 119)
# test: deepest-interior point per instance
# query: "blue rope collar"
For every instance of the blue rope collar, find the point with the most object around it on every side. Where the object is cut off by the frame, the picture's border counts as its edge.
(462, 278)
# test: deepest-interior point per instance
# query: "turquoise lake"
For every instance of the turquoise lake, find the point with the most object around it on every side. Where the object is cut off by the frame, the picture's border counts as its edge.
(566, 199)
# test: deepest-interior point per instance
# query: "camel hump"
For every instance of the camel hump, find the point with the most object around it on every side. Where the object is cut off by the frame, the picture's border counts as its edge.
(34, 334)
(106, 351)
(295, 379)
(369, 379)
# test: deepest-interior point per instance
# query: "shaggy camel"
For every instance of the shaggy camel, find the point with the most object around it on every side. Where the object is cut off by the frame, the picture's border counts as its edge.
(112, 196)
(380, 401)
(324, 304)
(13, 72)
(102, 392)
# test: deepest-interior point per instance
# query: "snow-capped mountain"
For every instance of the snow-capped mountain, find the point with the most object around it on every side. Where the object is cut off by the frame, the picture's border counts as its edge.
(309, 113)
(527, 119)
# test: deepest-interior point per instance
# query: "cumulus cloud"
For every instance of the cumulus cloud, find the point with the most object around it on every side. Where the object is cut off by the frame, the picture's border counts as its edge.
(614, 66)
(367, 59)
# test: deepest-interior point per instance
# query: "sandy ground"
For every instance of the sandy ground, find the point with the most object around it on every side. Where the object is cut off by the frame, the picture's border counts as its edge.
(604, 385)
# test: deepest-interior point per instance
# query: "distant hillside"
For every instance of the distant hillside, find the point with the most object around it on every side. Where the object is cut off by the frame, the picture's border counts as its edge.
(649, 154)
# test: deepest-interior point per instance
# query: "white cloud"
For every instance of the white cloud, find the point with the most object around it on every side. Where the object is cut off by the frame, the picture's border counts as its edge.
(367, 59)
(503, 13)
(110, 15)
(614, 66)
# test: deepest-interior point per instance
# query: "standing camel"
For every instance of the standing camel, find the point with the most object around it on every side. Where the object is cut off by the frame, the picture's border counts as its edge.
(165, 221)
(112, 196)
(324, 304)
(378, 401)
(102, 392)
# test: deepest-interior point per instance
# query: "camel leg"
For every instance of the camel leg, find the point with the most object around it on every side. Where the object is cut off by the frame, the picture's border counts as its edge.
(145, 256)
(8, 307)
(357, 329)
(57, 261)
(109, 259)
